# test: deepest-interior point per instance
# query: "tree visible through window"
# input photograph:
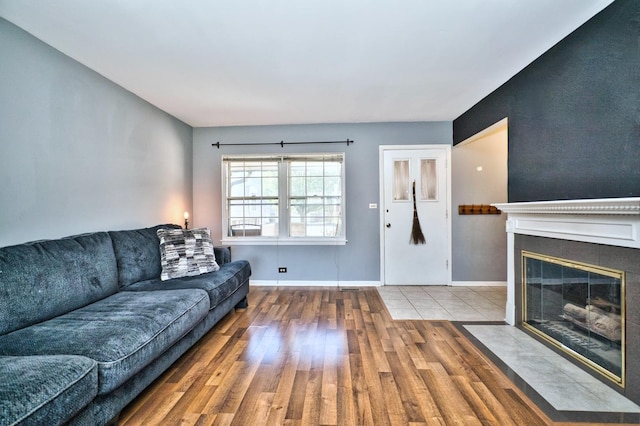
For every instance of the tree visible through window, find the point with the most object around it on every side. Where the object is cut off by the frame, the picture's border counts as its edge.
(290, 196)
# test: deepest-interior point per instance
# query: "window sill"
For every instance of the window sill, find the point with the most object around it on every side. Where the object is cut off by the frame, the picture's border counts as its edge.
(269, 241)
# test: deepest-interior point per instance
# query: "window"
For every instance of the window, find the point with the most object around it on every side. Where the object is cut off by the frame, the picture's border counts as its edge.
(428, 180)
(284, 198)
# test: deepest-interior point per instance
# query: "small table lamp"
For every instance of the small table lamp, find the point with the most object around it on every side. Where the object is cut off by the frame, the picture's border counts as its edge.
(186, 220)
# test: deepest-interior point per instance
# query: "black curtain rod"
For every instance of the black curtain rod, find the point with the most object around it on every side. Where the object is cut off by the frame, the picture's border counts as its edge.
(281, 143)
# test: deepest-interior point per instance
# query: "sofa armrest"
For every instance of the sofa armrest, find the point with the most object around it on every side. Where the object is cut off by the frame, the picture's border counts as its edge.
(223, 255)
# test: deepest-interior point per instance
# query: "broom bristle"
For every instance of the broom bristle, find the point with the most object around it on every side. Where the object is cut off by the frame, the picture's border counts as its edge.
(417, 237)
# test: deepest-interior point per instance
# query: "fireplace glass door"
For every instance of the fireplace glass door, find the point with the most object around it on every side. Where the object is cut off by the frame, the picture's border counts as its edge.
(577, 307)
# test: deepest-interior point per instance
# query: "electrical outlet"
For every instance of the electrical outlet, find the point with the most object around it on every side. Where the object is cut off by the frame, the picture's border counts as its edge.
(282, 270)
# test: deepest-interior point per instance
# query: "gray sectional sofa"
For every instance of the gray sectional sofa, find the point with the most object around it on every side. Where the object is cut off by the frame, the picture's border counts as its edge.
(86, 323)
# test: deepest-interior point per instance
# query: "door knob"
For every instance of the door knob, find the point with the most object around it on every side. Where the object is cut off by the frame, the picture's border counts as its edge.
(388, 225)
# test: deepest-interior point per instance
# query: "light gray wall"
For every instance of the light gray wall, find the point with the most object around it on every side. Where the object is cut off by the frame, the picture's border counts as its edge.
(359, 260)
(480, 241)
(80, 153)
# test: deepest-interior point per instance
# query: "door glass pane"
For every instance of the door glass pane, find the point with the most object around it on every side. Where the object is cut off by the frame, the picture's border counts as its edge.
(400, 180)
(428, 180)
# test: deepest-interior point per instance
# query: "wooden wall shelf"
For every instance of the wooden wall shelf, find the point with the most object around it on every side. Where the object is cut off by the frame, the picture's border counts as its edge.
(464, 209)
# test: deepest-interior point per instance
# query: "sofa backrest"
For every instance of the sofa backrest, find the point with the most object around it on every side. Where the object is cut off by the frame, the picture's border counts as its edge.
(138, 254)
(44, 279)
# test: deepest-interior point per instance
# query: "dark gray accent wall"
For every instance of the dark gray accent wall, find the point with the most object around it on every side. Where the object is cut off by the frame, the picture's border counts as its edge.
(80, 153)
(574, 114)
(359, 259)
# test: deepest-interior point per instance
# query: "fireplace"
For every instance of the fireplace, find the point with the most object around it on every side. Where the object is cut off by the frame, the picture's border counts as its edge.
(579, 308)
(570, 263)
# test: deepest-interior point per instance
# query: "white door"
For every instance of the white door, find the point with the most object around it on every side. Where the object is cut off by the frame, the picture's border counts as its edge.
(405, 262)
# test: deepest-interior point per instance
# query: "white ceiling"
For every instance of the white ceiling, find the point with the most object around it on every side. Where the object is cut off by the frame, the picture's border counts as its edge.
(245, 62)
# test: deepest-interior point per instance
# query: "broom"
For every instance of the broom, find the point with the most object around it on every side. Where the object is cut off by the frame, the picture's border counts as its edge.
(417, 237)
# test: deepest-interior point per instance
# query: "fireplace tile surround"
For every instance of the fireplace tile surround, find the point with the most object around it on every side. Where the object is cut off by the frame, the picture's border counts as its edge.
(602, 232)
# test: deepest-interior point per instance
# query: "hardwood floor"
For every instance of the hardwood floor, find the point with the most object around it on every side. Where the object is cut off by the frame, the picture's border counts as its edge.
(321, 356)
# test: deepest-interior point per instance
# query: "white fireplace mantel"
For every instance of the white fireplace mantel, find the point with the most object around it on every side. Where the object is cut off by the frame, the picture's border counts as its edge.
(610, 221)
(599, 206)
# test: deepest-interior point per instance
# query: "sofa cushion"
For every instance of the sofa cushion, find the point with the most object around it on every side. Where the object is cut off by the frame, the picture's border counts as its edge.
(186, 252)
(223, 254)
(123, 332)
(219, 285)
(43, 279)
(45, 389)
(138, 253)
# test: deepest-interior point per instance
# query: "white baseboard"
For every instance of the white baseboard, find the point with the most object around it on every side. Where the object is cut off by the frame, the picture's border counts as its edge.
(295, 283)
(299, 283)
(478, 283)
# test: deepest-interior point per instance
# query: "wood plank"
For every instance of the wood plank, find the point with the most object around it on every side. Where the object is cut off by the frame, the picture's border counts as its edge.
(329, 387)
(346, 401)
(283, 394)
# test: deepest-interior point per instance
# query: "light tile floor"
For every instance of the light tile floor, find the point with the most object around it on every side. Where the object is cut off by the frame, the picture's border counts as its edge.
(563, 385)
(445, 303)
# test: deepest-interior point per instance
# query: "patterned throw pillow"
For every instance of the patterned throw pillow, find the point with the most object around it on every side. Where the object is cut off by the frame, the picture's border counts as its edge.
(186, 252)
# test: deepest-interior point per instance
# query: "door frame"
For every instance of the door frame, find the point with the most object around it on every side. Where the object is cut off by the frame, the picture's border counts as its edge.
(381, 151)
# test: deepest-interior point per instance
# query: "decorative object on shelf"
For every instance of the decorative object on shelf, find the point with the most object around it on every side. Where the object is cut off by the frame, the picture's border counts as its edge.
(417, 237)
(464, 209)
(186, 220)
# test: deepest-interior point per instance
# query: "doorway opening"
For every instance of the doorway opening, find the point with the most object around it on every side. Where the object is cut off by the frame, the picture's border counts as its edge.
(479, 176)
